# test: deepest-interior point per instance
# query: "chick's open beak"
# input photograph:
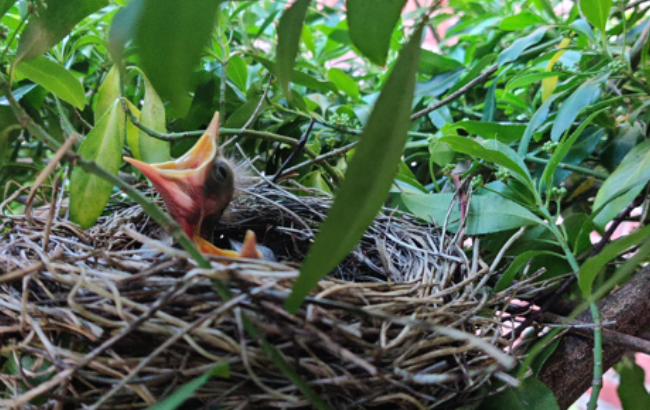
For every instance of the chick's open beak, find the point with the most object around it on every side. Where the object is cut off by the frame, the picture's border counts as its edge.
(196, 187)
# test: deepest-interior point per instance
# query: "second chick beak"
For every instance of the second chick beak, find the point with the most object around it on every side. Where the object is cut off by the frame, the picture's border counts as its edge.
(197, 187)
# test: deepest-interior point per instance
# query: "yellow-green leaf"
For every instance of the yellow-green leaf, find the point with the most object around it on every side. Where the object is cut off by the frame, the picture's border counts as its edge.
(54, 78)
(152, 149)
(88, 192)
(549, 83)
(108, 92)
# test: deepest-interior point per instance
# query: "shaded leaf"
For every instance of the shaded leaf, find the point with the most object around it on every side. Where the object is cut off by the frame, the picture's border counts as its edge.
(487, 213)
(242, 114)
(432, 63)
(368, 177)
(538, 119)
(371, 24)
(51, 24)
(474, 72)
(18, 93)
(54, 78)
(592, 266)
(515, 266)
(289, 31)
(133, 132)
(89, 193)
(238, 72)
(531, 395)
(152, 149)
(186, 391)
(571, 107)
(5, 5)
(524, 80)
(631, 389)
(504, 132)
(520, 45)
(596, 12)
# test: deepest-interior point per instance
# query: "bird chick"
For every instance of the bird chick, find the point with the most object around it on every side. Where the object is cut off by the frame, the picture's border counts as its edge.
(197, 188)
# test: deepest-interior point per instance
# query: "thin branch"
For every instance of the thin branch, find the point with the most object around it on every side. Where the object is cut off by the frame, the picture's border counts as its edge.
(300, 146)
(324, 157)
(574, 168)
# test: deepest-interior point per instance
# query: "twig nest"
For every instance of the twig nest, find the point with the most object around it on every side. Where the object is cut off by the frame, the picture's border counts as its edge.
(406, 321)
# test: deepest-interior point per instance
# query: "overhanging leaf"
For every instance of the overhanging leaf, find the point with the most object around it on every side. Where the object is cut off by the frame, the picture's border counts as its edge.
(88, 192)
(369, 175)
(54, 78)
(51, 24)
(289, 32)
(371, 24)
(487, 213)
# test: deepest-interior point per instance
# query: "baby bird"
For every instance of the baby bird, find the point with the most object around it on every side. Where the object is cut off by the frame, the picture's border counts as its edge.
(197, 188)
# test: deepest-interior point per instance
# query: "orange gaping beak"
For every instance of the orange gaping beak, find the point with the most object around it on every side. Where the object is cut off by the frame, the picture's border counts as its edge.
(197, 189)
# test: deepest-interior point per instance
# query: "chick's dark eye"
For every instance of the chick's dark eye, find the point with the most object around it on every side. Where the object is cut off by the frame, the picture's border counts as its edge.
(221, 171)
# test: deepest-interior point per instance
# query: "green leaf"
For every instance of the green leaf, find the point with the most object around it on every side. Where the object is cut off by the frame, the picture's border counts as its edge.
(344, 82)
(501, 131)
(5, 5)
(531, 395)
(103, 144)
(187, 390)
(593, 266)
(315, 179)
(562, 150)
(520, 45)
(153, 150)
(538, 119)
(242, 114)
(170, 36)
(571, 107)
(108, 92)
(54, 78)
(487, 213)
(515, 266)
(633, 171)
(238, 72)
(432, 63)
(474, 72)
(631, 389)
(368, 177)
(484, 151)
(289, 31)
(581, 26)
(526, 79)
(51, 24)
(596, 12)
(133, 132)
(371, 24)
(614, 207)
(308, 81)
(520, 21)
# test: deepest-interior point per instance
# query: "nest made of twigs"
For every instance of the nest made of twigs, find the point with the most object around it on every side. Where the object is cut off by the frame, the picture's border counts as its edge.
(111, 318)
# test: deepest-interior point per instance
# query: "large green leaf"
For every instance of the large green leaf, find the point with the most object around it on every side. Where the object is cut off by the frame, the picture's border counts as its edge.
(487, 213)
(531, 395)
(571, 107)
(108, 92)
(5, 5)
(289, 32)
(515, 266)
(186, 391)
(590, 269)
(596, 12)
(343, 82)
(152, 149)
(520, 45)
(504, 132)
(633, 172)
(51, 24)
(538, 119)
(88, 192)
(631, 389)
(54, 78)
(368, 177)
(432, 63)
(238, 72)
(371, 24)
(520, 21)
(170, 36)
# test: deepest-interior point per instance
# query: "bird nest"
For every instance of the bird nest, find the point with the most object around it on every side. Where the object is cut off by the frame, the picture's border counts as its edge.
(116, 317)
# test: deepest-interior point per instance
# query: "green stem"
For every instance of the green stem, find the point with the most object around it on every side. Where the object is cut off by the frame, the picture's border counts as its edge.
(574, 168)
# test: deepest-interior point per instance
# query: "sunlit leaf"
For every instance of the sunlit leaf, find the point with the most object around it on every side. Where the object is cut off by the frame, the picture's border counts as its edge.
(5, 5)
(51, 24)
(520, 21)
(344, 82)
(504, 132)
(238, 71)
(108, 92)
(583, 27)
(88, 192)
(289, 32)
(487, 213)
(152, 149)
(368, 177)
(186, 391)
(549, 83)
(54, 78)
(596, 12)
(371, 24)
